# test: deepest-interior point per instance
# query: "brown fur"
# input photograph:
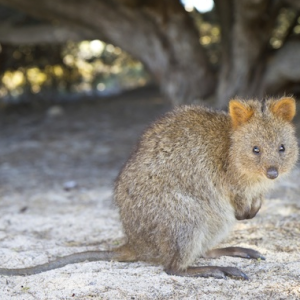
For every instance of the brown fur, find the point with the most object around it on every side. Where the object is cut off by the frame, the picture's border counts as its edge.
(193, 173)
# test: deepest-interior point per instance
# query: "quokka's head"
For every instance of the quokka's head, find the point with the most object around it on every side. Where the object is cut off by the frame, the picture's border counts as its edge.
(263, 138)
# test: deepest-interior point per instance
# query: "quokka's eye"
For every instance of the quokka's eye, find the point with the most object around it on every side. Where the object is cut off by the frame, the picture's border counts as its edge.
(256, 150)
(281, 148)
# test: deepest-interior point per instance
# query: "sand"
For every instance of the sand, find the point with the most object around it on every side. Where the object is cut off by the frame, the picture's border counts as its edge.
(56, 180)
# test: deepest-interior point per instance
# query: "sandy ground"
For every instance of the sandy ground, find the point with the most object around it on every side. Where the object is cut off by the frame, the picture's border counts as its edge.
(56, 177)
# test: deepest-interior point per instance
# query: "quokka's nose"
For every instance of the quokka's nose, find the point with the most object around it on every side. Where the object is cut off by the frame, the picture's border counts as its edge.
(272, 173)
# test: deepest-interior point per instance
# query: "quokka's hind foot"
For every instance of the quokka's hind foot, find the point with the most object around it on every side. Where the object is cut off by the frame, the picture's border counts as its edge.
(235, 252)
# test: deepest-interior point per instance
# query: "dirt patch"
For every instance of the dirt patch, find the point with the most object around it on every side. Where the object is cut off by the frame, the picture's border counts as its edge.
(57, 169)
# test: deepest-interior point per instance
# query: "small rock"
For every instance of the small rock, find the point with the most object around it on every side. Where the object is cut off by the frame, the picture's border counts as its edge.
(70, 185)
(55, 111)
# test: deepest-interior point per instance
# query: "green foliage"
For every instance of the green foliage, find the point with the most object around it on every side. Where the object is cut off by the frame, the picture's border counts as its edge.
(88, 66)
(287, 23)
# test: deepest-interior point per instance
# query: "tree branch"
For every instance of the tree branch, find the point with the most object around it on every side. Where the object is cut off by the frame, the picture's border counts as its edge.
(159, 33)
(293, 3)
(45, 33)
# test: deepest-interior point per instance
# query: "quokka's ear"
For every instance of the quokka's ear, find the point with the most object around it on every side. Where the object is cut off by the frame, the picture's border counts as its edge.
(284, 108)
(239, 112)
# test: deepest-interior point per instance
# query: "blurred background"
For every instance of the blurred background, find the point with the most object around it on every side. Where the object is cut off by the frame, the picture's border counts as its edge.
(190, 50)
(80, 80)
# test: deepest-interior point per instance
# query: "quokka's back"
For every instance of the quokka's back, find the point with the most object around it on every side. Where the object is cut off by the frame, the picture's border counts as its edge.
(196, 170)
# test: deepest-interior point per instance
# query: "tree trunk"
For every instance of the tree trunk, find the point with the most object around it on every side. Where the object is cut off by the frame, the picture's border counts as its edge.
(160, 33)
(281, 71)
(245, 57)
